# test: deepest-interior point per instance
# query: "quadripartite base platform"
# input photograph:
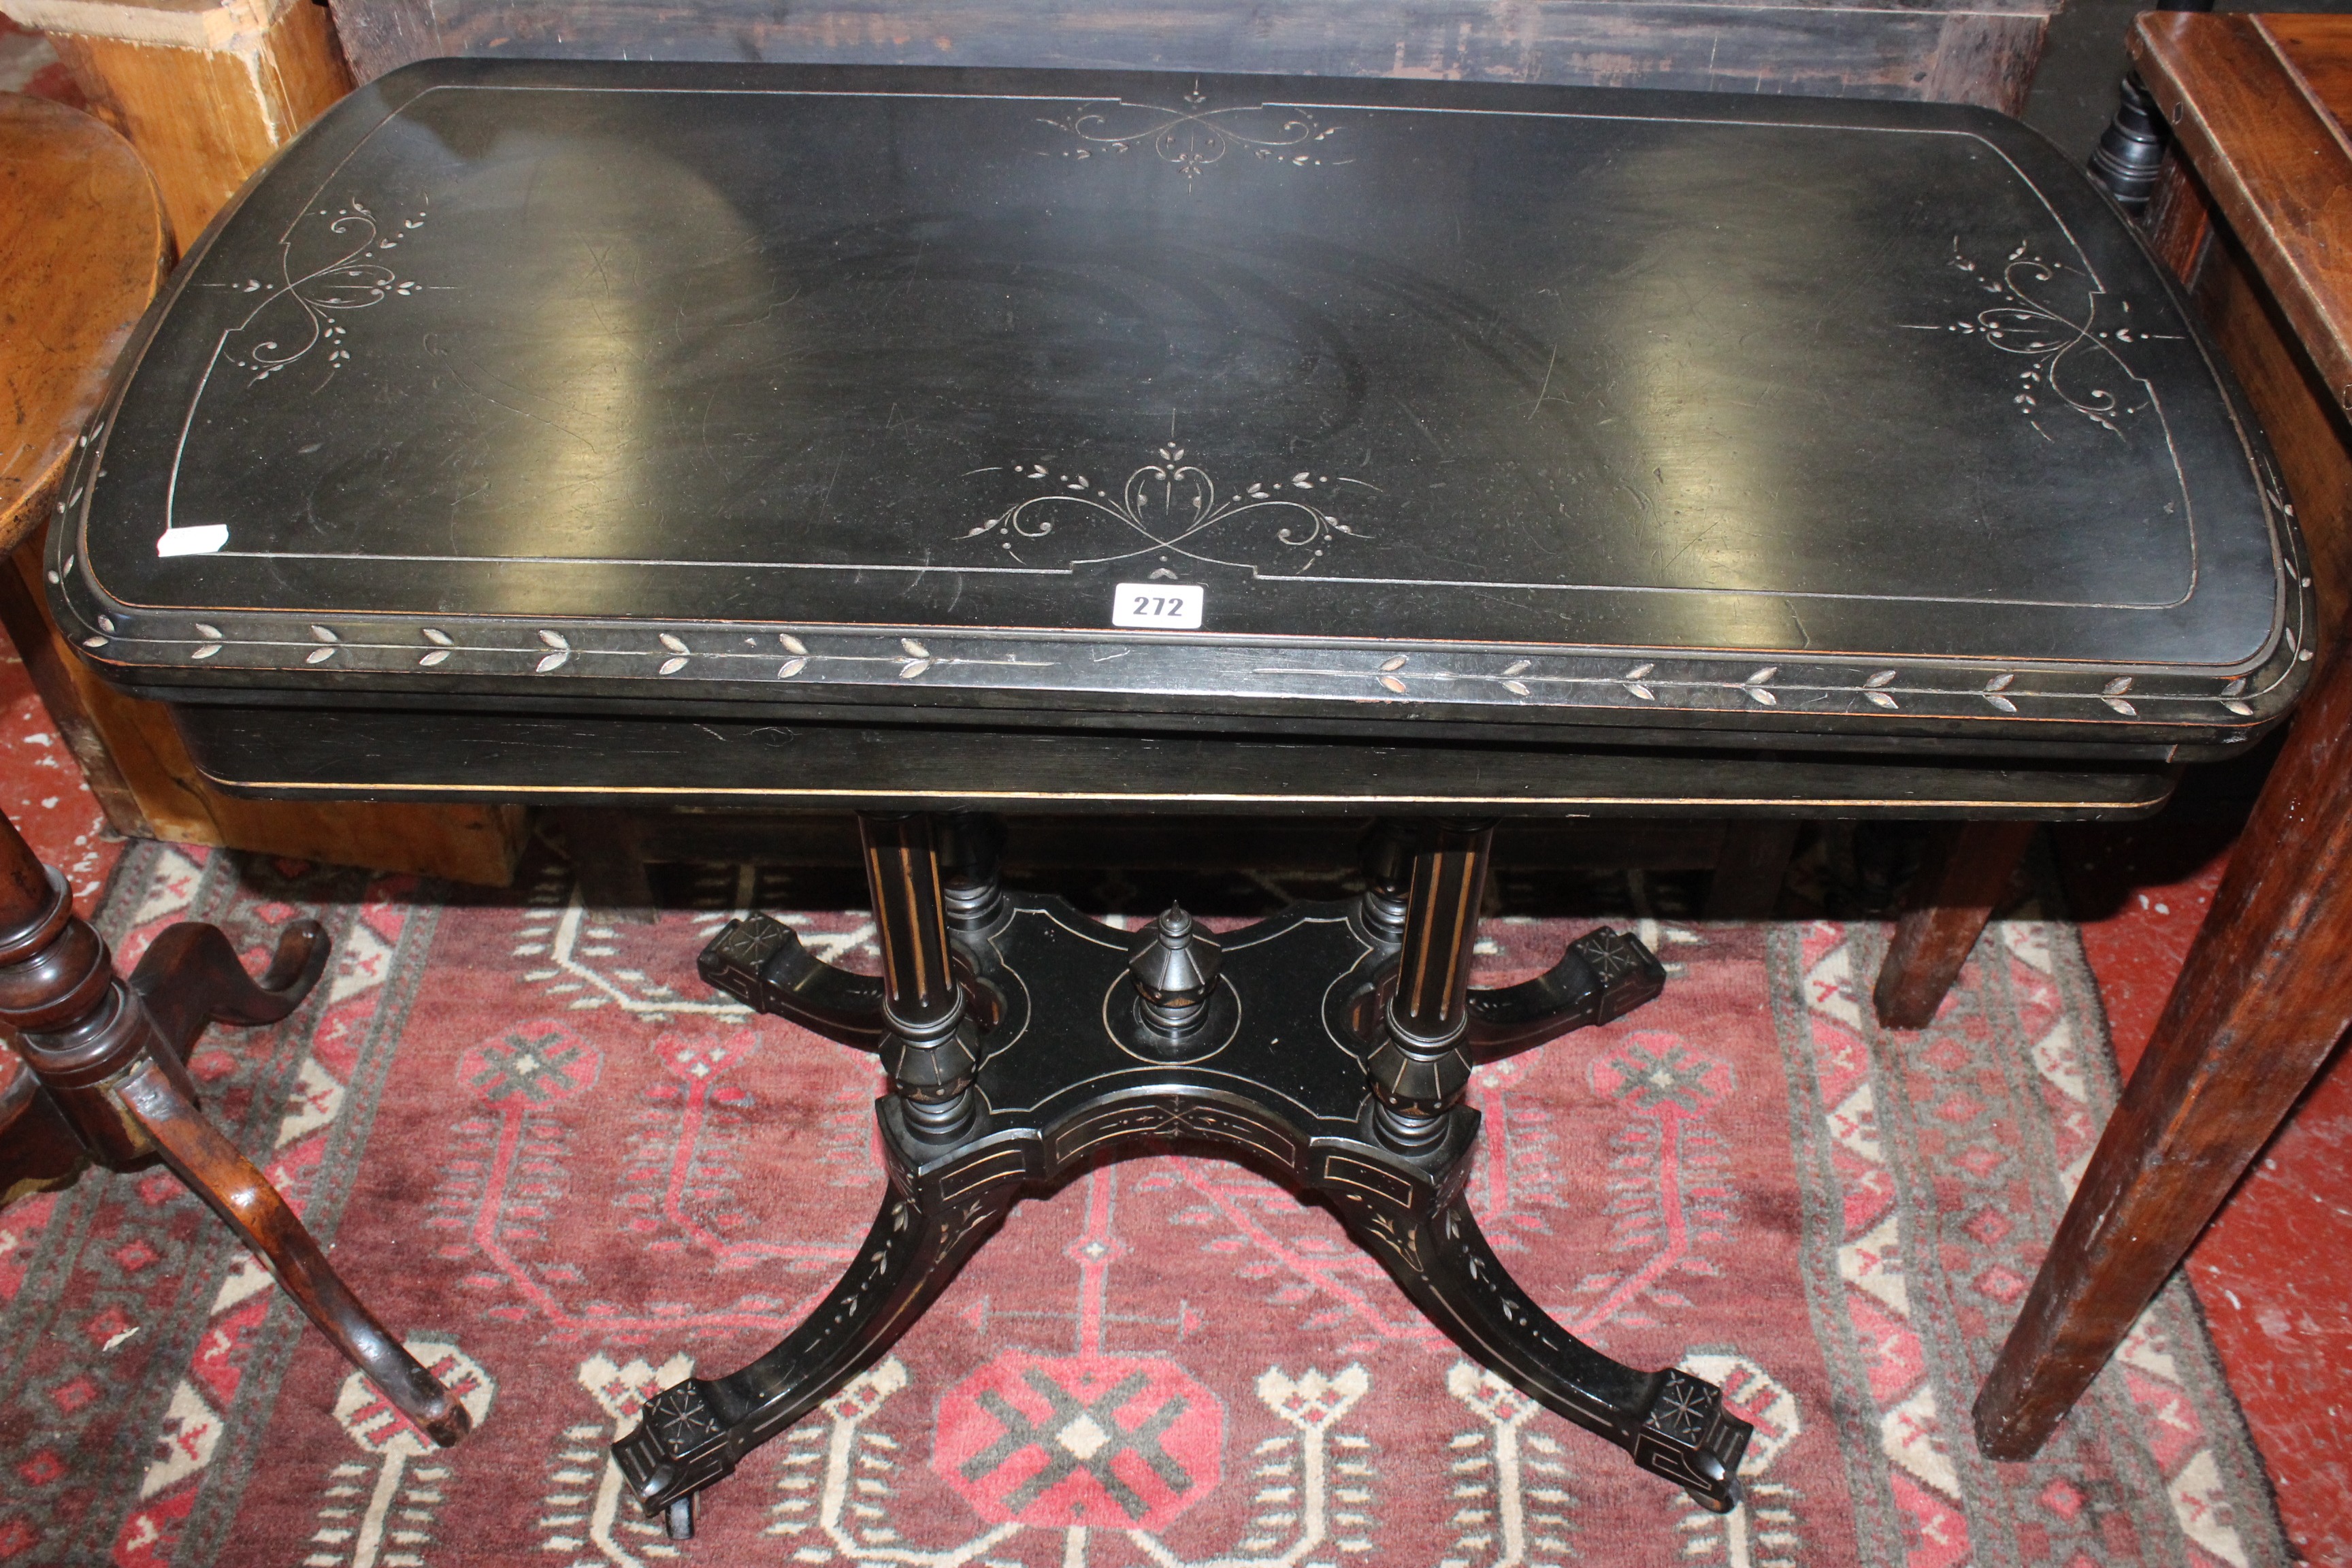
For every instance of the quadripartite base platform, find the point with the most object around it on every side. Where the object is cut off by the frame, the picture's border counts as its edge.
(1328, 1047)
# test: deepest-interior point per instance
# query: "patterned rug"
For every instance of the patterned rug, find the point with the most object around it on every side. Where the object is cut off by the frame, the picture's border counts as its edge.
(567, 1173)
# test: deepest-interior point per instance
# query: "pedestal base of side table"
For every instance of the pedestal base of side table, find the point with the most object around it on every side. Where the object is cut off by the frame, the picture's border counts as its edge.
(1275, 1068)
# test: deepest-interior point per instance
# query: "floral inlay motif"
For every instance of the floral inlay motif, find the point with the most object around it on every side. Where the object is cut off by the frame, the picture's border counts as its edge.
(1168, 502)
(1196, 136)
(298, 314)
(2068, 359)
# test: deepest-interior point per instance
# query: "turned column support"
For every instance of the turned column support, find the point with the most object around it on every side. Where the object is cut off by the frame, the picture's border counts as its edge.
(931, 1047)
(113, 1072)
(1420, 1069)
(2131, 149)
(1113, 1043)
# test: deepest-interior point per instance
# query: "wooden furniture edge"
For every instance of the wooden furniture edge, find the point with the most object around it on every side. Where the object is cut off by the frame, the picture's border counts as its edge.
(2189, 60)
(185, 24)
(26, 514)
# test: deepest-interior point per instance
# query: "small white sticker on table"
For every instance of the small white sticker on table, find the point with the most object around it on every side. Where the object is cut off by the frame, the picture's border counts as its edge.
(1169, 606)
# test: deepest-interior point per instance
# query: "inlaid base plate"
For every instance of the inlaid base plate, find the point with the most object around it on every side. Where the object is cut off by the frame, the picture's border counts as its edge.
(1276, 1076)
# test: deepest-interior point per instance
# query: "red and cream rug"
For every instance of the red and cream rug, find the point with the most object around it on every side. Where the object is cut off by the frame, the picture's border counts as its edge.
(567, 1173)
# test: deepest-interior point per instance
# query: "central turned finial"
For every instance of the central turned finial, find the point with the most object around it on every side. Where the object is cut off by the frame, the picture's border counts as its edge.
(1174, 968)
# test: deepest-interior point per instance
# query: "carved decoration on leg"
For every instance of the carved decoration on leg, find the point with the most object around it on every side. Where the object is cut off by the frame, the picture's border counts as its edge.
(1432, 1028)
(697, 1432)
(1602, 978)
(1329, 1044)
(1673, 1424)
(762, 961)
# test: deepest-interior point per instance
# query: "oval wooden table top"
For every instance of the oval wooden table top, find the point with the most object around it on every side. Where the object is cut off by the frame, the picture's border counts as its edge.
(83, 231)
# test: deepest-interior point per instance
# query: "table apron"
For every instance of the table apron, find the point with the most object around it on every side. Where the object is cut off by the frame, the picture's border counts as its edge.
(357, 754)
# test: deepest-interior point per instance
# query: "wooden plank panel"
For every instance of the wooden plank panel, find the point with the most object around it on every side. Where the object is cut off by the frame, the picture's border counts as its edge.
(83, 232)
(2320, 52)
(2307, 432)
(204, 119)
(1976, 51)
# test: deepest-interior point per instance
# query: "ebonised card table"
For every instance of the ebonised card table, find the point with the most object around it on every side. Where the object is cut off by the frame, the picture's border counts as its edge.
(937, 442)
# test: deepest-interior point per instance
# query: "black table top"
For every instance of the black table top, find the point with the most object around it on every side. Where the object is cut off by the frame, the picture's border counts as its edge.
(624, 386)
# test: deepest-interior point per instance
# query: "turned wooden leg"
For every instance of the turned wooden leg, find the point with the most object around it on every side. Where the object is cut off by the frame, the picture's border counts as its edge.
(2131, 149)
(1967, 869)
(116, 1079)
(1420, 1066)
(931, 1044)
(2264, 998)
(1750, 867)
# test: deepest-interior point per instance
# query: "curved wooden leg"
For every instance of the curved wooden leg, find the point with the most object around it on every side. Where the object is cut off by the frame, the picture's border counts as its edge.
(760, 961)
(1673, 1424)
(109, 1053)
(191, 976)
(237, 1192)
(697, 1432)
(1602, 975)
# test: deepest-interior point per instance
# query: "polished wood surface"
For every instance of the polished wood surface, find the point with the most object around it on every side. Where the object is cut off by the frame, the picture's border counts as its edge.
(206, 92)
(2273, 158)
(2253, 210)
(108, 1068)
(86, 247)
(1456, 543)
(925, 366)
(2259, 106)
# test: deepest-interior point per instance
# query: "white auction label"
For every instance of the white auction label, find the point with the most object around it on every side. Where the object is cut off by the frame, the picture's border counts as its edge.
(1171, 606)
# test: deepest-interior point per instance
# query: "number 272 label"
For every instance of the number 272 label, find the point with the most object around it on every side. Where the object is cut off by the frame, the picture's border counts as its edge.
(1169, 606)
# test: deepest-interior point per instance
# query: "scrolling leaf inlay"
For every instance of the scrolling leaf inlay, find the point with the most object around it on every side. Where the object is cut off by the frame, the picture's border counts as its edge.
(1194, 137)
(1167, 503)
(2066, 357)
(298, 314)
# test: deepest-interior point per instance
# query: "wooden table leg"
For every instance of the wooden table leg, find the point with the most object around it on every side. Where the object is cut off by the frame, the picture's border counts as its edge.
(113, 1075)
(2261, 1001)
(930, 1042)
(246, 1202)
(1967, 869)
(1750, 867)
